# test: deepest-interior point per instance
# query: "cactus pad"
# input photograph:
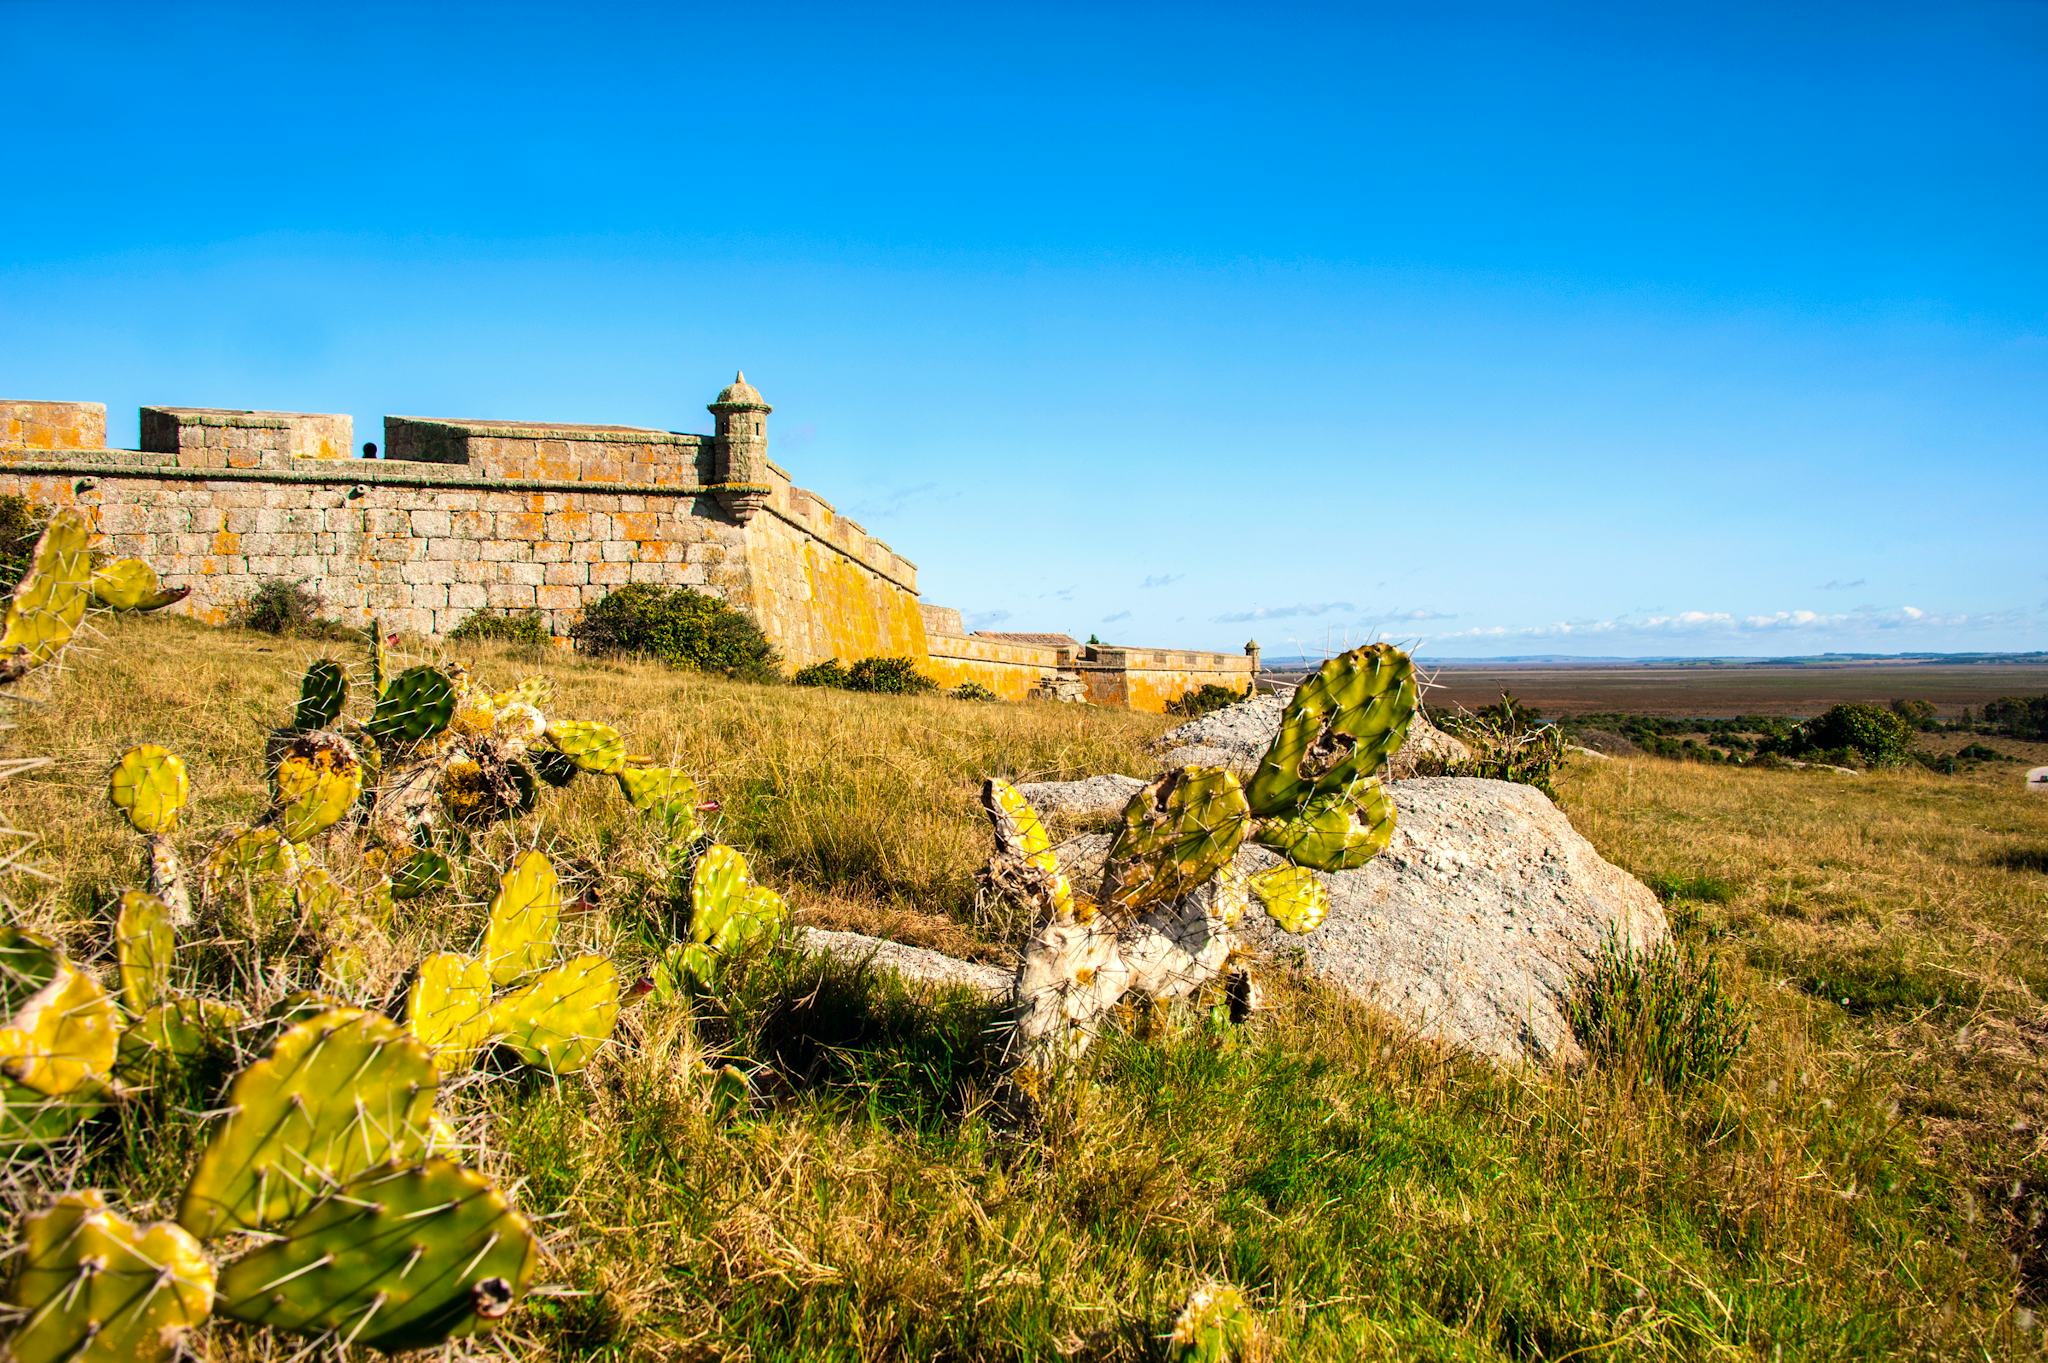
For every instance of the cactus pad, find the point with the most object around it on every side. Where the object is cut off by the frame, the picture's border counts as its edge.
(94, 1287)
(50, 599)
(1024, 850)
(423, 871)
(1176, 833)
(1214, 1327)
(36, 1121)
(591, 746)
(150, 787)
(338, 1093)
(257, 867)
(560, 1019)
(666, 792)
(143, 944)
(400, 1258)
(174, 1032)
(316, 782)
(525, 915)
(58, 1029)
(727, 909)
(448, 1007)
(322, 693)
(1341, 724)
(131, 584)
(1337, 831)
(413, 706)
(552, 765)
(1292, 896)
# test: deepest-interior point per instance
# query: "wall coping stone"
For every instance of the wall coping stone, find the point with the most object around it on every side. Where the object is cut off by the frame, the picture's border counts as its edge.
(226, 416)
(541, 430)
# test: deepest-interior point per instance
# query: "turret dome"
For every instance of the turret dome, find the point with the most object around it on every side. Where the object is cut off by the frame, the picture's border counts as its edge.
(740, 393)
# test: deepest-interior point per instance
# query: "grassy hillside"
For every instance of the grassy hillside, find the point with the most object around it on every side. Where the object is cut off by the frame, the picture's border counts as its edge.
(1864, 1183)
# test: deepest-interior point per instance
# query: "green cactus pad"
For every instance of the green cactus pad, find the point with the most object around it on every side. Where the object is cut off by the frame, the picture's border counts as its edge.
(400, 1258)
(59, 1029)
(50, 600)
(317, 781)
(337, 1094)
(668, 793)
(131, 584)
(727, 909)
(1341, 724)
(36, 1121)
(448, 1007)
(143, 945)
(560, 1019)
(1214, 1327)
(255, 867)
(1337, 831)
(525, 915)
(1292, 896)
(174, 1033)
(413, 707)
(149, 785)
(1177, 832)
(322, 694)
(94, 1287)
(591, 746)
(1023, 843)
(423, 871)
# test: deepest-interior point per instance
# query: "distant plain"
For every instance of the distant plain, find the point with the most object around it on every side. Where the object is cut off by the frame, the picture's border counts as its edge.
(1724, 690)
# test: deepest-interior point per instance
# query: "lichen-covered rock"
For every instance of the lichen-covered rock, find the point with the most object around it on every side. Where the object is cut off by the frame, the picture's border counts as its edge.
(1094, 795)
(912, 963)
(1237, 736)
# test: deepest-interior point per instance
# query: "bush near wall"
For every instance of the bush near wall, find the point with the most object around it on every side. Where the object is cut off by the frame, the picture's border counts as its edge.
(879, 676)
(1200, 701)
(679, 627)
(502, 627)
(289, 609)
(21, 525)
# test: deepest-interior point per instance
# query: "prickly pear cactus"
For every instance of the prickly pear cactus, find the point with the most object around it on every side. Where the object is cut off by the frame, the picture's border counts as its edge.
(143, 943)
(94, 1287)
(398, 1258)
(322, 694)
(448, 1007)
(316, 782)
(50, 600)
(1341, 724)
(1214, 1327)
(525, 915)
(59, 1030)
(667, 793)
(559, 1020)
(413, 707)
(1339, 830)
(1176, 834)
(727, 909)
(256, 868)
(1025, 862)
(131, 584)
(172, 1034)
(423, 871)
(150, 787)
(591, 746)
(339, 1093)
(1292, 897)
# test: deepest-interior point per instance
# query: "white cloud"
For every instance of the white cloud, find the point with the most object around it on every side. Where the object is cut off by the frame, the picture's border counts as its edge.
(1698, 622)
(1284, 612)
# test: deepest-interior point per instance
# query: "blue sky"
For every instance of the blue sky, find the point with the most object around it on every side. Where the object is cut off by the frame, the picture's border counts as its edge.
(1499, 330)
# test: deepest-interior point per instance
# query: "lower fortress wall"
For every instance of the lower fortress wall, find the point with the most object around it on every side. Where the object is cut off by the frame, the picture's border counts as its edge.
(468, 515)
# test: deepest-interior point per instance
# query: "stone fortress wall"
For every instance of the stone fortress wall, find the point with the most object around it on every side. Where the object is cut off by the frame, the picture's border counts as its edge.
(462, 515)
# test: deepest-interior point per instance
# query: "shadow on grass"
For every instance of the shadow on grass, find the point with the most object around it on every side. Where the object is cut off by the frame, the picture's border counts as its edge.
(2021, 859)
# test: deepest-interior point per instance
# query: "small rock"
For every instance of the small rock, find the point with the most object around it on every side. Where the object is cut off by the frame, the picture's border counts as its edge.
(1095, 795)
(1237, 736)
(912, 963)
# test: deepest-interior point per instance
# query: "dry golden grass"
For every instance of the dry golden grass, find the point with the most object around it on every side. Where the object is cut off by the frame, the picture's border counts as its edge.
(1862, 1184)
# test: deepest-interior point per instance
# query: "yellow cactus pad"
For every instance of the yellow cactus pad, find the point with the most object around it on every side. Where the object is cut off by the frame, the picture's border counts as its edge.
(664, 791)
(149, 785)
(316, 782)
(131, 584)
(525, 916)
(143, 943)
(592, 746)
(1292, 896)
(448, 1008)
(62, 1029)
(561, 1018)
(256, 866)
(1021, 833)
(94, 1287)
(51, 597)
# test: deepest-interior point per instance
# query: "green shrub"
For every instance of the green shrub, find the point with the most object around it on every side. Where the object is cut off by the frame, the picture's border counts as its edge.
(1209, 696)
(2017, 716)
(827, 673)
(289, 609)
(679, 627)
(1874, 735)
(21, 525)
(888, 676)
(1507, 742)
(1660, 1014)
(502, 627)
(972, 690)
